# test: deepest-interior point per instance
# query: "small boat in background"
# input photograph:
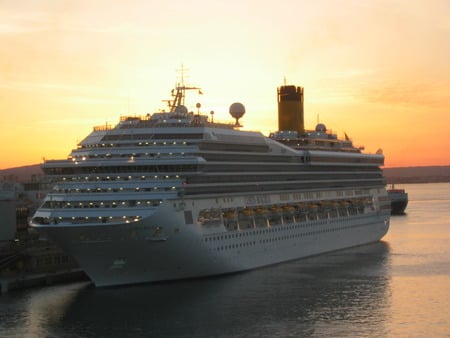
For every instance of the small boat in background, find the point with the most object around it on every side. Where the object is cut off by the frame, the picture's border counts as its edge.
(399, 200)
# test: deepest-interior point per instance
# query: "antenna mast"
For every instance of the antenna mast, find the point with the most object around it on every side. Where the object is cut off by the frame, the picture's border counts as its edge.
(180, 89)
(181, 72)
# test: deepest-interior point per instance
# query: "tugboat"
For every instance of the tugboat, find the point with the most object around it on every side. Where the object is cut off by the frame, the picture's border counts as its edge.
(399, 200)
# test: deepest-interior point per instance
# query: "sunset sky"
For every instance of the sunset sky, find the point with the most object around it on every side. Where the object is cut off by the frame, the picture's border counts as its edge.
(376, 70)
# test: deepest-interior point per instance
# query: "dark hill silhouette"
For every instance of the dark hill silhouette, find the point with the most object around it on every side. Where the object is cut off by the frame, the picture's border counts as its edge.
(21, 174)
(431, 174)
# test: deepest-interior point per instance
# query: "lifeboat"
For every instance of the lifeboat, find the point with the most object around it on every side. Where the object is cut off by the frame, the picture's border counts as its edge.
(312, 207)
(288, 208)
(333, 204)
(229, 214)
(301, 206)
(247, 212)
(260, 211)
(344, 204)
(276, 209)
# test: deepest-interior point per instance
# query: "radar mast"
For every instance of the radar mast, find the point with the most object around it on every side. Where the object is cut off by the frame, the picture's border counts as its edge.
(178, 94)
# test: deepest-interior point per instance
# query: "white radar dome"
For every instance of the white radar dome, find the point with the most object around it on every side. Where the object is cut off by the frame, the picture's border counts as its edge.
(237, 110)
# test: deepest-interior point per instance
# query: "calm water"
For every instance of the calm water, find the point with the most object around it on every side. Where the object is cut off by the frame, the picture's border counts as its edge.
(399, 287)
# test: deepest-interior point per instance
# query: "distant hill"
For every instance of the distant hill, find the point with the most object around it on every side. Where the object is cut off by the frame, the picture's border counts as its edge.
(430, 174)
(21, 174)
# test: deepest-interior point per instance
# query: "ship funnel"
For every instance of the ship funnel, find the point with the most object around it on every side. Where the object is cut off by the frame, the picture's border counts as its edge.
(290, 109)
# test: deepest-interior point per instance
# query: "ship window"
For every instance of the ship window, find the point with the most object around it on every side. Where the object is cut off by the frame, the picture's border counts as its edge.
(188, 219)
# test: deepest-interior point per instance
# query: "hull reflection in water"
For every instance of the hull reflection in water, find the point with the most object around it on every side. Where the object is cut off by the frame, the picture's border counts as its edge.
(293, 299)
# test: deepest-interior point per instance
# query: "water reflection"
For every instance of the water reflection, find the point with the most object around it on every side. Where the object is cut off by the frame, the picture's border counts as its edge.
(34, 312)
(302, 298)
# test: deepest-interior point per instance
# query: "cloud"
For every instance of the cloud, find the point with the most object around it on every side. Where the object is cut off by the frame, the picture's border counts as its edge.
(49, 86)
(17, 22)
(429, 94)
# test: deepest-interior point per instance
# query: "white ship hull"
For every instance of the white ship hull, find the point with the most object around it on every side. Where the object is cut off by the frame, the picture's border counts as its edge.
(162, 247)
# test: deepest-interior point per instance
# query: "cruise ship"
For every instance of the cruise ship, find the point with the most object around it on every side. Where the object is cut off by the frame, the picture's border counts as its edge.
(175, 194)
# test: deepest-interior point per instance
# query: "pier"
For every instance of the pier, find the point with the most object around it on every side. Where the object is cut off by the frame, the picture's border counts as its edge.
(42, 279)
(30, 261)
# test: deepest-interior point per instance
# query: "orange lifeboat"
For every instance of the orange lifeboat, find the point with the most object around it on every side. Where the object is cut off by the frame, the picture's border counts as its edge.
(230, 214)
(247, 212)
(275, 209)
(288, 208)
(260, 211)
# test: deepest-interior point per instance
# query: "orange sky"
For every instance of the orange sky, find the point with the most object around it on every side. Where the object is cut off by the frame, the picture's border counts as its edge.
(376, 70)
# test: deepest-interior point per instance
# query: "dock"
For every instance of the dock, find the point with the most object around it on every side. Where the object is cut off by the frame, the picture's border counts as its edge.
(41, 279)
(30, 261)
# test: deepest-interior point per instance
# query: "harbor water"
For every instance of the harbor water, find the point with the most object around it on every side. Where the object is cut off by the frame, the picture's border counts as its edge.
(399, 287)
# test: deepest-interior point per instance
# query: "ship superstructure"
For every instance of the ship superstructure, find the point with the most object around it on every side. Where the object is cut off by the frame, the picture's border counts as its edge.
(176, 195)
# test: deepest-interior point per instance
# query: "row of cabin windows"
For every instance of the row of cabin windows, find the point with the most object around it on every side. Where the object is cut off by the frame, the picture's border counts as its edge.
(132, 144)
(129, 156)
(100, 204)
(277, 177)
(120, 178)
(291, 236)
(150, 138)
(58, 189)
(85, 220)
(94, 170)
(262, 231)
